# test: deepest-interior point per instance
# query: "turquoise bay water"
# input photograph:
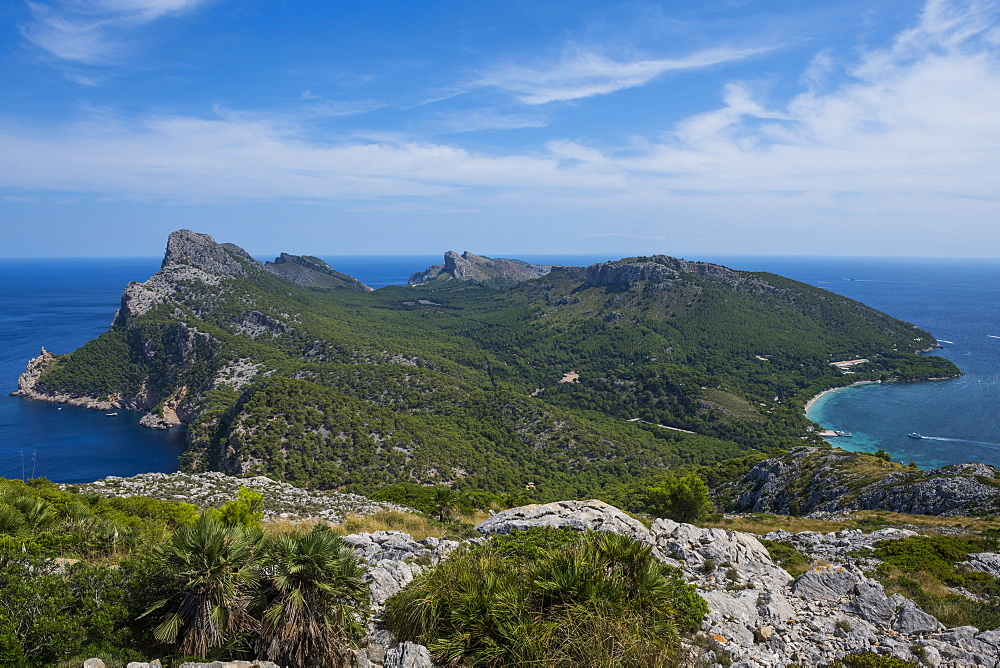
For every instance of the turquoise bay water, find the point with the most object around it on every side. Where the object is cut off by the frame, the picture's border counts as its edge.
(959, 302)
(62, 303)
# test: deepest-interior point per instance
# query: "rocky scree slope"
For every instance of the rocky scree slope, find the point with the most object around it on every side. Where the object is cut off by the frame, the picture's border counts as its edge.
(817, 480)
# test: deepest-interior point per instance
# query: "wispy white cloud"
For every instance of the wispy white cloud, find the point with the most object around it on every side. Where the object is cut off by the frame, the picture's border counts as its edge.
(910, 141)
(184, 158)
(585, 74)
(94, 31)
(479, 119)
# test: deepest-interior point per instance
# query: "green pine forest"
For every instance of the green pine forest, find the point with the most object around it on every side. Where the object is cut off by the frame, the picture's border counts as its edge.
(458, 382)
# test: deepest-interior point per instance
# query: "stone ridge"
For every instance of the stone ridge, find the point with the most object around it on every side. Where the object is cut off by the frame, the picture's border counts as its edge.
(813, 480)
(590, 515)
(471, 267)
(656, 269)
(312, 272)
(185, 247)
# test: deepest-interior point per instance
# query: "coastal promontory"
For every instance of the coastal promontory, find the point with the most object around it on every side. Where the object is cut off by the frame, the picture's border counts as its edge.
(490, 374)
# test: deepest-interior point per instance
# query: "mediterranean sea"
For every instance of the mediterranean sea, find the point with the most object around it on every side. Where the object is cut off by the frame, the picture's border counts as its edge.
(62, 303)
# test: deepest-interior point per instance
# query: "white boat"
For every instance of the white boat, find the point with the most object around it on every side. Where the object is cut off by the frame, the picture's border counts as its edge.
(110, 414)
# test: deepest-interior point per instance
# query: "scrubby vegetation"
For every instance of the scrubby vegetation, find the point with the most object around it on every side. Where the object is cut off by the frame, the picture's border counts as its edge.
(83, 575)
(925, 569)
(549, 597)
(456, 383)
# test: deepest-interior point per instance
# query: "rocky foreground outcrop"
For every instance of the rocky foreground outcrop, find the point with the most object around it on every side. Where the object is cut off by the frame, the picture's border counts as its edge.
(809, 480)
(759, 615)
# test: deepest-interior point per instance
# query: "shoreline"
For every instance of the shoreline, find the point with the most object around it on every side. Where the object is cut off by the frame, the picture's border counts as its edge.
(809, 404)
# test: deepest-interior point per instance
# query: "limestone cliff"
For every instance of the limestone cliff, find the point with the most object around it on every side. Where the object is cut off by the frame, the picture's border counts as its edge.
(656, 268)
(478, 268)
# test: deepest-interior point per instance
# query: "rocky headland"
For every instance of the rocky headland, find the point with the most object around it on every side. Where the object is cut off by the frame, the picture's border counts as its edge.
(312, 272)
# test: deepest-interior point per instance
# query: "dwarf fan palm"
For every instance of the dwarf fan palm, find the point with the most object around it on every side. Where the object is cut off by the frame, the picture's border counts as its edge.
(313, 604)
(211, 578)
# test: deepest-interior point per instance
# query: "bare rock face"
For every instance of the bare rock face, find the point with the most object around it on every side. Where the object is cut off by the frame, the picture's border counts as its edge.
(185, 247)
(606, 274)
(821, 481)
(654, 269)
(987, 562)
(590, 515)
(26, 381)
(471, 267)
(312, 272)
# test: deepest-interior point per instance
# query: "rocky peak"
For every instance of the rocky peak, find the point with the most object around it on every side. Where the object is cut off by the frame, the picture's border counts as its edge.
(185, 247)
(657, 268)
(312, 272)
(471, 267)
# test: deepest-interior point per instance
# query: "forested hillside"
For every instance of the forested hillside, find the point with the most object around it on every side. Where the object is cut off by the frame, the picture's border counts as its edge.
(574, 381)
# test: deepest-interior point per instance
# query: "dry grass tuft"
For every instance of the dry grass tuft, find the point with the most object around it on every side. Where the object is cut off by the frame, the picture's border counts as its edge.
(286, 527)
(418, 526)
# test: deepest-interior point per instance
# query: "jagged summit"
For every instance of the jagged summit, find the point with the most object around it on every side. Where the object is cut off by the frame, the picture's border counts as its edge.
(312, 272)
(196, 257)
(471, 267)
(201, 251)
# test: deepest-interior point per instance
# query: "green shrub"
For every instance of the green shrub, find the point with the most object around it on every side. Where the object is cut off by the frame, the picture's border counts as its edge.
(245, 511)
(871, 660)
(920, 566)
(543, 597)
(683, 499)
(785, 555)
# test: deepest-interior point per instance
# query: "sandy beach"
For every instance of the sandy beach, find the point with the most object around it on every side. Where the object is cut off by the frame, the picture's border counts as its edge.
(809, 404)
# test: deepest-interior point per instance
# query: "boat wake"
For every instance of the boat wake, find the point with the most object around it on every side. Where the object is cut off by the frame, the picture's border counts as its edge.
(943, 341)
(961, 440)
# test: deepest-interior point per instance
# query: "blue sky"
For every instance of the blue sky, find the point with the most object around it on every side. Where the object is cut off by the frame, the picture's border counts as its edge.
(338, 127)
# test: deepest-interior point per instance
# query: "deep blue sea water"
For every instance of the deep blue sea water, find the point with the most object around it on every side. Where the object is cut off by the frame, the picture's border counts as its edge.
(62, 303)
